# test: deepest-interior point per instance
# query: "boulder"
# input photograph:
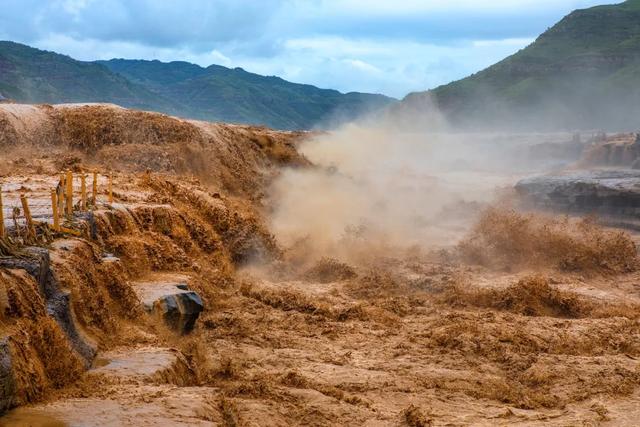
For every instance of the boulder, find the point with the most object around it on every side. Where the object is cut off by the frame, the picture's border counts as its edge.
(172, 300)
(603, 192)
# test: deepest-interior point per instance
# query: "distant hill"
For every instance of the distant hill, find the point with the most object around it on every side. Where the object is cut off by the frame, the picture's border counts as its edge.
(235, 95)
(214, 93)
(583, 73)
(37, 76)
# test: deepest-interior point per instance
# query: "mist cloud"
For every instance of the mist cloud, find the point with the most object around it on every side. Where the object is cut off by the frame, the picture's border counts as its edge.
(377, 188)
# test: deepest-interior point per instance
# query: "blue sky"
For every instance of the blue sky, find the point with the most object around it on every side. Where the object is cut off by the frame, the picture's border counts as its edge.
(382, 46)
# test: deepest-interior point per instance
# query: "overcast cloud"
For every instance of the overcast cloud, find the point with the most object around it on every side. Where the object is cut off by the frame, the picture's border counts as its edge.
(390, 47)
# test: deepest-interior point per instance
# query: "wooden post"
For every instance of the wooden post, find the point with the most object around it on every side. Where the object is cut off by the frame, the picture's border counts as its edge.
(69, 194)
(61, 187)
(54, 207)
(110, 187)
(27, 214)
(83, 191)
(95, 189)
(1, 215)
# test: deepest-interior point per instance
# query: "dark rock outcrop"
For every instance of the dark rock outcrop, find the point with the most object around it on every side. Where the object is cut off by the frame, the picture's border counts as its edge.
(619, 151)
(172, 300)
(36, 262)
(7, 382)
(604, 192)
(57, 302)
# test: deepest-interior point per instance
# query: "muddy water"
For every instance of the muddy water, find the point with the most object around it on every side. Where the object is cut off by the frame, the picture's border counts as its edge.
(127, 386)
(100, 362)
(20, 418)
(365, 351)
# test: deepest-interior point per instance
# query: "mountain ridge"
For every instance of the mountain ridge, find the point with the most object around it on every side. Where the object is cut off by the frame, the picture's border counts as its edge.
(207, 89)
(582, 73)
(214, 93)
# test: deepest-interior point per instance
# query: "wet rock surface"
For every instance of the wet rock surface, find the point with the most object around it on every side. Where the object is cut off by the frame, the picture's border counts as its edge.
(183, 406)
(37, 263)
(608, 192)
(170, 298)
(7, 382)
(143, 381)
(143, 364)
(59, 307)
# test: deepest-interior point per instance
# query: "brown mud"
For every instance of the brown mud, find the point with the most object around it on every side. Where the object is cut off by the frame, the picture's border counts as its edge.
(529, 320)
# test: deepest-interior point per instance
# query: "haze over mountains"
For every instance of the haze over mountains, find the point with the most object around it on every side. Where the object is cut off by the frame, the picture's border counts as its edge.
(214, 93)
(583, 73)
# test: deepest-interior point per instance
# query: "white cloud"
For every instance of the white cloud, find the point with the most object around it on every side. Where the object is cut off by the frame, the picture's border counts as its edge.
(362, 66)
(350, 45)
(412, 8)
(393, 67)
(74, 7)
(520, 42)
(340, 46)
(91, 49)
(218, 58)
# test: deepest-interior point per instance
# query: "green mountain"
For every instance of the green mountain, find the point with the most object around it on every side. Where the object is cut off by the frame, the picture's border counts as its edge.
(583, 73)
(214, 93)
(234, 95)
(36, 76)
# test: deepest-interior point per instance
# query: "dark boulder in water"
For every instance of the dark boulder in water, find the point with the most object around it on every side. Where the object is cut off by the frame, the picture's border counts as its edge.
(172, 300)
(602, 192)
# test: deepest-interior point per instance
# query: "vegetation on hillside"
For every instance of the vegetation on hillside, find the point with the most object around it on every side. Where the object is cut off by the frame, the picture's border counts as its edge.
(215, 93)
(235, 95)
(584, 72)
(36, 76)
